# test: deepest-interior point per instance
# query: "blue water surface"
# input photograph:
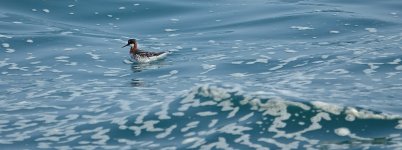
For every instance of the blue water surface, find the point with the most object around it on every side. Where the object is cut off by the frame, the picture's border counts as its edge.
(262, 74)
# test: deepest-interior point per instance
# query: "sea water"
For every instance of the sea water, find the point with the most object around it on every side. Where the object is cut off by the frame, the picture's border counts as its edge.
(262, 74)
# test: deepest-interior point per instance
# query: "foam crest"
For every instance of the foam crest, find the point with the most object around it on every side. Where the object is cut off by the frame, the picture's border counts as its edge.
(226, 115)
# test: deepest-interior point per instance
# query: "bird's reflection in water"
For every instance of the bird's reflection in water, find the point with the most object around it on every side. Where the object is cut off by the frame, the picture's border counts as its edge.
(141, 67)
(138, 67)
(137, 83)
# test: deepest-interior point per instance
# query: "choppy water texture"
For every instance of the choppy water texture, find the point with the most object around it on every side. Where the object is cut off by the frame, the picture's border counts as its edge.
(242, 74)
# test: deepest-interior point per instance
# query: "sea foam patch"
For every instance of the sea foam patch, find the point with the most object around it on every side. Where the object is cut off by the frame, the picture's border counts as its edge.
(247, 121)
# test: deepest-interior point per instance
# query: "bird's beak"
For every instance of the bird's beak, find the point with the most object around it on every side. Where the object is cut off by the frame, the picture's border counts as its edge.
(125, 45)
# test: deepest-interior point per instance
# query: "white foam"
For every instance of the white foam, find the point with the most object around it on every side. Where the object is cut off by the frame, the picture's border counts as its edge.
(372, 30)
(163, 114)
(245, 140)
(171, 73)
(334, 32)
(189, 126)
(41, 68)
(44, 145)
(286, 61)
(324, 56)
(196, 140)
(208, 66)
(287, 146)
(237, 62)
(93, 56)
(69, 49)
(46, 10)
(63, 76)
(5, 36)
(233, 112)
(220, 144)
(259, 60)
(101, 137)
(342, 131)
(290, 51)
(167, 132)
(5, 45)
(244, 118)
(234, 129)
(10, 50)
(72, 64)
(395, 61)
(212, 123)
(338, 71)
(365, 114)
(332, 108)
(61, 57)
(301, 28)
(66, 33)
(14, 66)
(150, 126)
(239, 75)
(206, 113)
(399, 126)
(372, 68)
(170, 30)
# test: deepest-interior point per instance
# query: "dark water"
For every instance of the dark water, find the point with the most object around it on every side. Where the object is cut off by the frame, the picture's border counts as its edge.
(242, 74)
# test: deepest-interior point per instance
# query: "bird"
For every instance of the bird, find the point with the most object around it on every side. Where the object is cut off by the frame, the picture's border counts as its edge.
(143, 56)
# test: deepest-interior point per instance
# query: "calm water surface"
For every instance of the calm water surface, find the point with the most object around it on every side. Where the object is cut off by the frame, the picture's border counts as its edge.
(263, 74)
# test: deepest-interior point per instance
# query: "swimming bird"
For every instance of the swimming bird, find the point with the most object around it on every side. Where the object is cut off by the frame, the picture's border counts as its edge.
(143, 56)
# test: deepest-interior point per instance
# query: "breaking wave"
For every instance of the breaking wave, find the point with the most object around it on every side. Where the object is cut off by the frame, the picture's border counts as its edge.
(225, 117)
(209, 117)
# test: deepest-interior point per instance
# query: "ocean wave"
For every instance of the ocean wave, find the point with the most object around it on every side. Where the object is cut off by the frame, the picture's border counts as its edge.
(213, 117)
(227, 117)
(210, 116)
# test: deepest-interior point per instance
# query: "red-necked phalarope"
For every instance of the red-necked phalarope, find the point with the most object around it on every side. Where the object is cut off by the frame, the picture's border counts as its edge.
(142, 56)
